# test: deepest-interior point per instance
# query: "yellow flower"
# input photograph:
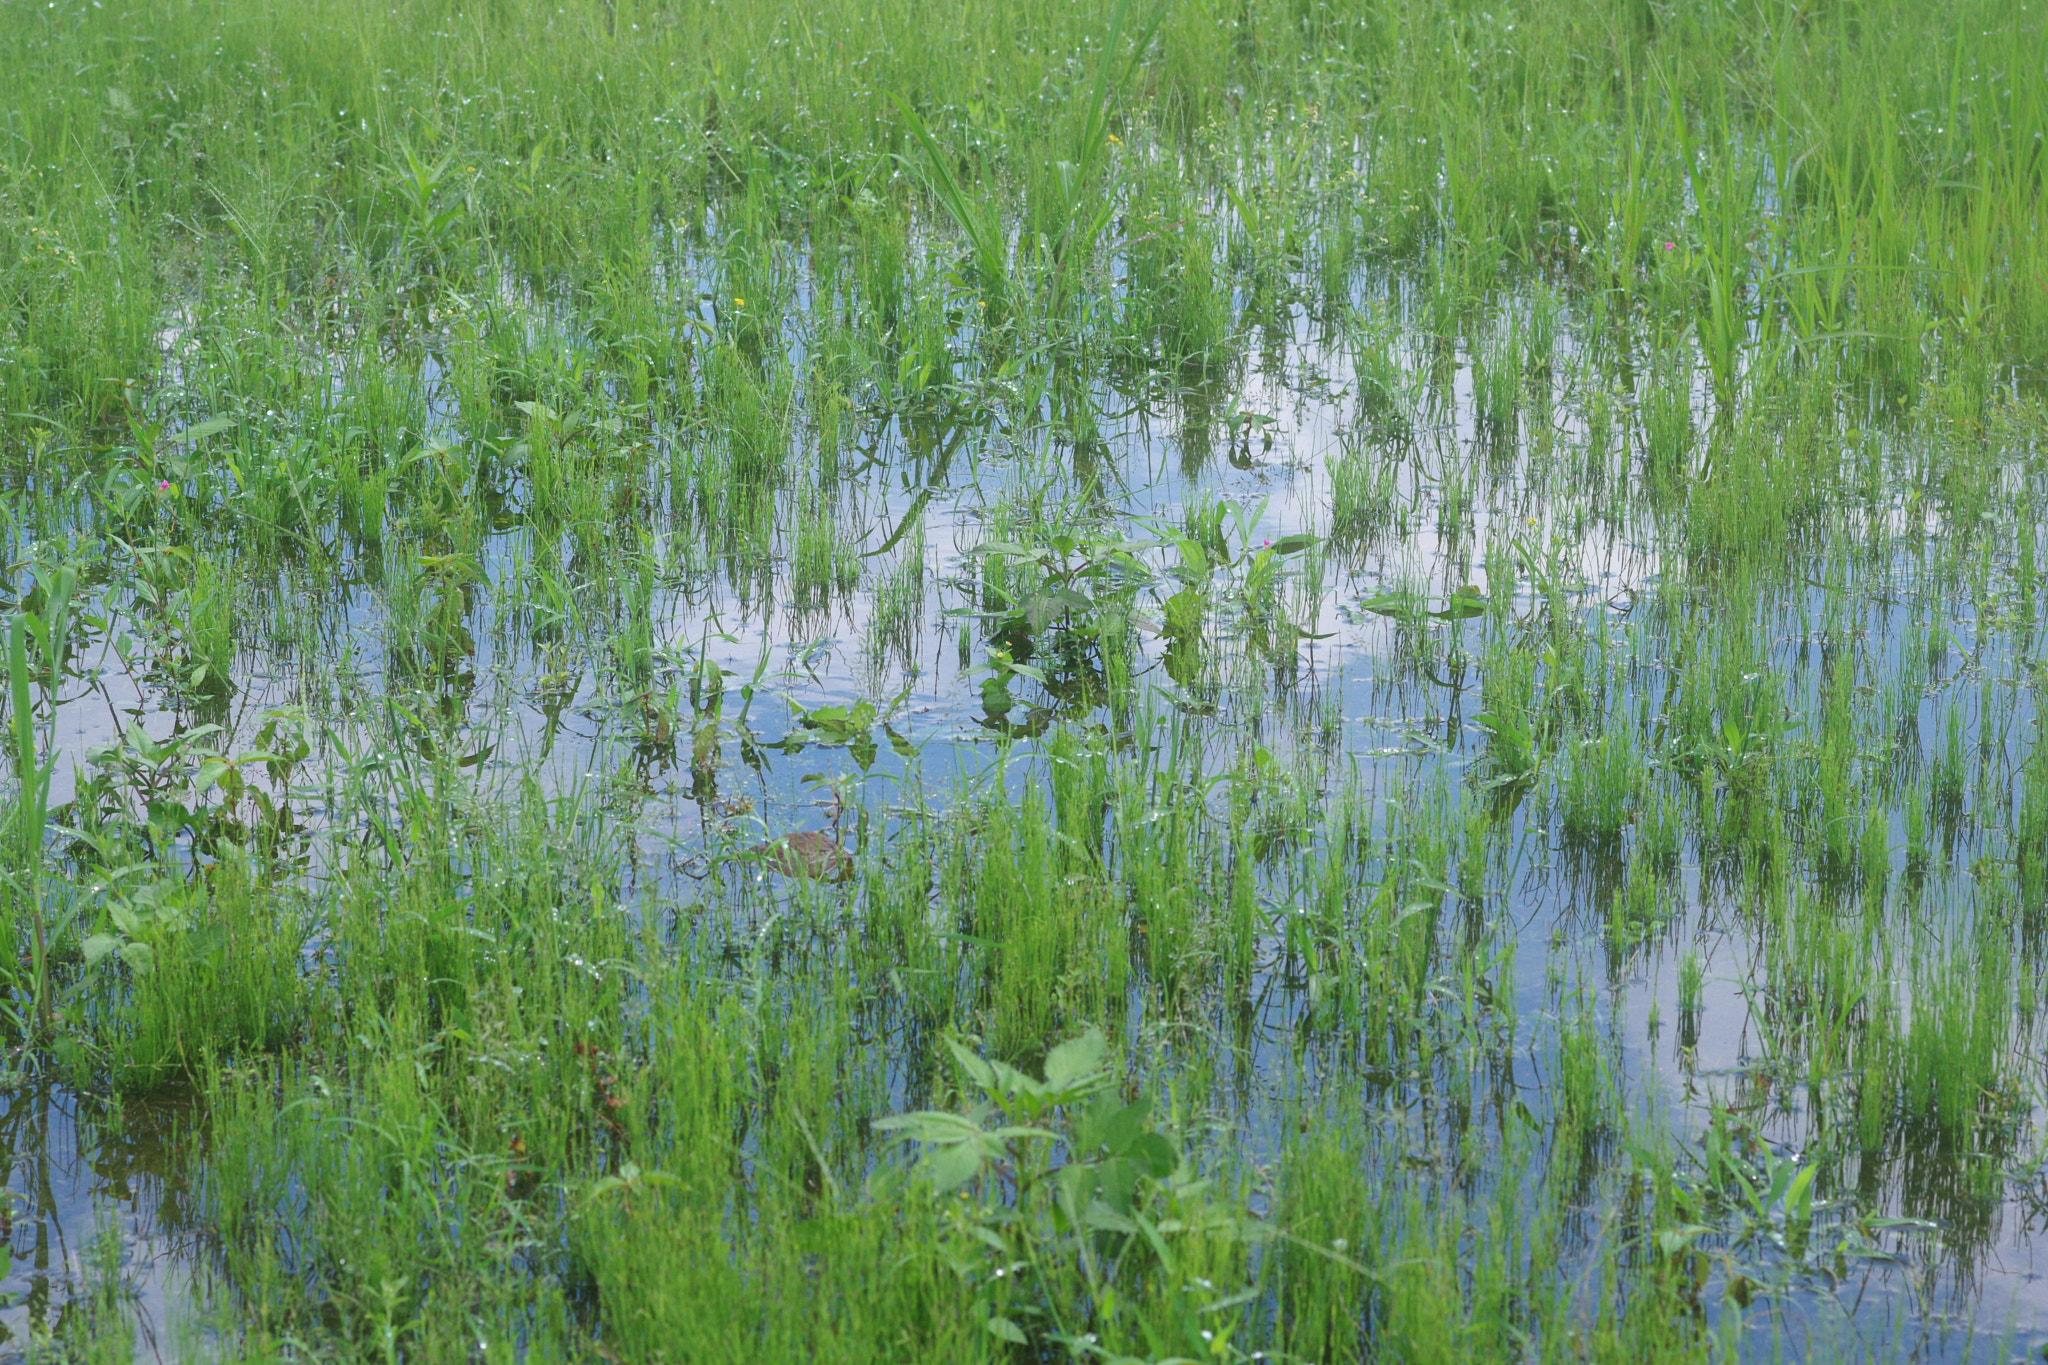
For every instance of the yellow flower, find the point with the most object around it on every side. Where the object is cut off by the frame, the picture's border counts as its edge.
(739, 303)
(1117, 140)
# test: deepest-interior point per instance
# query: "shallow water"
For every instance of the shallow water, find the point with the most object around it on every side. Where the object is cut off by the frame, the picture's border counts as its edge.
(1353, 692)
(98, 1210)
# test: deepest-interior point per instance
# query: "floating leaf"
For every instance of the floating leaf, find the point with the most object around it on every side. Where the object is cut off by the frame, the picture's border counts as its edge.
(1399, 605)
(1465, 603)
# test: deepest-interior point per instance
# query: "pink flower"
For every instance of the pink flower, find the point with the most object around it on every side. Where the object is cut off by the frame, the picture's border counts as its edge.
(163, 485)
(1671, 246)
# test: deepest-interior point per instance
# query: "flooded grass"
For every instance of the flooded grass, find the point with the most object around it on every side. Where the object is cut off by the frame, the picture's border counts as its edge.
(1275, 682)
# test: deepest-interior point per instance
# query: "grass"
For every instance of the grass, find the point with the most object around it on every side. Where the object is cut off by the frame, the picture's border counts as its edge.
(1287, 680)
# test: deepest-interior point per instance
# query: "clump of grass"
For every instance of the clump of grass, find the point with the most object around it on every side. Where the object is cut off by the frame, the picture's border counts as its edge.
(1598, 793)
(1364, 498)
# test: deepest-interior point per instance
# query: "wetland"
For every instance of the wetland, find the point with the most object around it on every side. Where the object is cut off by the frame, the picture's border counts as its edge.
(1217, 680)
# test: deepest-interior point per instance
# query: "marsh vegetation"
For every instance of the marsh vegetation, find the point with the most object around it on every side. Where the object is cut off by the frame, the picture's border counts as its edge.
(1224, 680)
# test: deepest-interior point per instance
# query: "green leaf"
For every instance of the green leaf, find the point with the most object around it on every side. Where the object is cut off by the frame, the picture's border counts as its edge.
(209, 773)
(1671, 1241)
(1146, 1226)
(989, 1238)
(1007, 1330)
(98, 946)
(1399, 605)
(1500, 724)
(202, 944)
(1102, 1218)
(1292, 545)
(1012, 1082)
(201, 430)
(1111, 1127)
(140, 957)
(984, 230)
(1118, 1185)
(1799, 1198)
(1154, 1154)
(1184, 612)
(930, 1125)
(1465, 603)
(1077, 1182)
(1076, 1061)
(948, 1168)
(978, 1071)
(903, 748)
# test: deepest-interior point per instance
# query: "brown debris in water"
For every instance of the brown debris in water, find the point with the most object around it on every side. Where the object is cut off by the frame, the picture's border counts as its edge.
(808, 853)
